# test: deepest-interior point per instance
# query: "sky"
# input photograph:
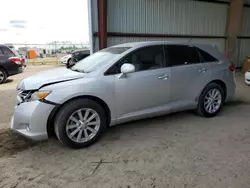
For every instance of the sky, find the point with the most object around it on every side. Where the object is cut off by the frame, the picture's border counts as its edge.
(43, 21)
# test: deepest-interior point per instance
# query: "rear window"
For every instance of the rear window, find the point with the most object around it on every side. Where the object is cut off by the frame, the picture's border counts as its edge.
(8, 52)
(15, 52)
(206, 56)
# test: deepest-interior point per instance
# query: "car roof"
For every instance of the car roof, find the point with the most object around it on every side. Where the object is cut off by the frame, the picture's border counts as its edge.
(141, 44)
(86, 51)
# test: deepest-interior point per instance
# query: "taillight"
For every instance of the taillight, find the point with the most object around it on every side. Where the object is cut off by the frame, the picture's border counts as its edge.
(232, 67)
(16, 60)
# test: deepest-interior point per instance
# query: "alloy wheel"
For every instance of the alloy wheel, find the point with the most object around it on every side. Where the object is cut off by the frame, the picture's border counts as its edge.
(83, 125)
(1, 76)
(213, 101)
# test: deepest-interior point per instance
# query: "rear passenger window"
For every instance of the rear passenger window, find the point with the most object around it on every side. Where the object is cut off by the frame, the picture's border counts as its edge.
(8, 52)
(206, 56)
(181, 55)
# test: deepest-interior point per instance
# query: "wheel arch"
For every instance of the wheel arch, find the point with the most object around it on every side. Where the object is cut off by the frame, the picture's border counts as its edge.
(51, 119)
(3, 68)
(216, 81)
(223, 86)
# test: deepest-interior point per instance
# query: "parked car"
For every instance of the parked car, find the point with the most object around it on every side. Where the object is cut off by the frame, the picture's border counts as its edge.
(120, 84)
(79, 55)
(247, 77)
(17, 54)
(10, 63)
(66, 59)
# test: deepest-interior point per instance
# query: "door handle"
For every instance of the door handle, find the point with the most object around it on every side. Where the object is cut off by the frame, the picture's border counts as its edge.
(163, 77)
(203, 70)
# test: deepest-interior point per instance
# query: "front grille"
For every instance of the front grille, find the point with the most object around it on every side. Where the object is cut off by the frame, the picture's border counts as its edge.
(22, 96)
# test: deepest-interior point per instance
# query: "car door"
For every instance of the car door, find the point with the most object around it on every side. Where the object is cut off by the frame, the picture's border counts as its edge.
(189, 75)
(145, 92)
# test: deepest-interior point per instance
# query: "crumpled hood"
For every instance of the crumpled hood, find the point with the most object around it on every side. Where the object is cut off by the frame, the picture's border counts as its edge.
(48, 77)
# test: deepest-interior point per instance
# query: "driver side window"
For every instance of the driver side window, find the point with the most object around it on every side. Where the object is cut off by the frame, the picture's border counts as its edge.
(148, 58)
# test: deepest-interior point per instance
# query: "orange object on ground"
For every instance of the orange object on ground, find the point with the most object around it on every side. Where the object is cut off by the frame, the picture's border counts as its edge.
(32, 54)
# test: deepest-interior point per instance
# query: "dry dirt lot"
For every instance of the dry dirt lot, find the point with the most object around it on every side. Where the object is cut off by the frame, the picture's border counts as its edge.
(180, 150)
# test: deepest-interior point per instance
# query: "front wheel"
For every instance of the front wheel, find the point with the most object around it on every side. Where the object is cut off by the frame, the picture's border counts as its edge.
(211, 100)
(80, 123)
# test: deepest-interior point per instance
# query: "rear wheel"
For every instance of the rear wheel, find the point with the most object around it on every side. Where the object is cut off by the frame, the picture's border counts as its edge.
(211, 100)
(3, 76)
(80, 123)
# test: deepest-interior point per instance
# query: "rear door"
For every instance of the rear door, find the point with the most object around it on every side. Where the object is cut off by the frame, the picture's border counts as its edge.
(189, 74)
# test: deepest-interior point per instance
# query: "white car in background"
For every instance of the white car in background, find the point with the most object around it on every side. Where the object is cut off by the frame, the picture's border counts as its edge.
(66, 59)
(247, 77)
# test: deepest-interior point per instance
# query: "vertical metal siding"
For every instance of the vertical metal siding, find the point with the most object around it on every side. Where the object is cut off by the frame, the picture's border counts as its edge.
(96, 44)
(220, 43)
(94, 15)
(167, 17)
(245, 30)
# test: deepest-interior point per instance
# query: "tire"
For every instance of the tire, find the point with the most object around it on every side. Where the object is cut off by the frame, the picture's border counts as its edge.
(69, 62)
(204, 102)
(66, 119)
(3, 76)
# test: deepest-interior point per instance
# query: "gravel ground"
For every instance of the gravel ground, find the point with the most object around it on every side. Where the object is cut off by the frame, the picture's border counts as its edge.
(179, 150)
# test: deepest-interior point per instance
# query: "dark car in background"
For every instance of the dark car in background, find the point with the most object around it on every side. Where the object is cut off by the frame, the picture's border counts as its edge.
(10, 63)
(79, 55)
(17, 54)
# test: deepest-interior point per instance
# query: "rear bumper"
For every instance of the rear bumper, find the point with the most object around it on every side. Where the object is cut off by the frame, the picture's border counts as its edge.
(18, 70)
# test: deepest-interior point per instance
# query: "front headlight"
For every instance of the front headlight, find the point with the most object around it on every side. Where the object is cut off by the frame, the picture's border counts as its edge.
(39, 95)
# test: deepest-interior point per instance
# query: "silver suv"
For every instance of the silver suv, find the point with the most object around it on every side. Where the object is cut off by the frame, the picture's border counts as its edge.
(120, 84)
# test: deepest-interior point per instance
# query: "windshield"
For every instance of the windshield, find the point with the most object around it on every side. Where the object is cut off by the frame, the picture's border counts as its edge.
(98, 59)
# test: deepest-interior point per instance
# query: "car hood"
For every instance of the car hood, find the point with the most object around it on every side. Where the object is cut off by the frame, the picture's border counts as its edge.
(66, 57)
(49, 77)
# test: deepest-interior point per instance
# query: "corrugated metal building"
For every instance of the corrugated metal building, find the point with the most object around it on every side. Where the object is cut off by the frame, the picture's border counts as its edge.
(121, 21)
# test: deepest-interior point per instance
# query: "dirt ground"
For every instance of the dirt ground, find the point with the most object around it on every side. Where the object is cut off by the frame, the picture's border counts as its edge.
(180, 150)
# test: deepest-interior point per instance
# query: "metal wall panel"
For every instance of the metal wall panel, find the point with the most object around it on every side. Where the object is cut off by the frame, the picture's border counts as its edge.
(244, 50)
(167, 17)
(245, 31)
(220, 43)
(95, 44)
(94, 15)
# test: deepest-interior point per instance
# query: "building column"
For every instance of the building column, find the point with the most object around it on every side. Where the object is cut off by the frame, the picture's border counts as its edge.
(102, 23)
(234, 22)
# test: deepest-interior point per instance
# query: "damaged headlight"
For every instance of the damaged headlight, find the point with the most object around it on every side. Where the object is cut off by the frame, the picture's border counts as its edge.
(39, 95)
(28, 96)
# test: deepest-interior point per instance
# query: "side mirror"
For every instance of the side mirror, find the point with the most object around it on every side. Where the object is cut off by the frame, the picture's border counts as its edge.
(127, 68)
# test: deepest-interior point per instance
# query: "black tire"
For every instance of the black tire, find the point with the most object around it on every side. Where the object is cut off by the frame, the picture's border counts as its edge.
(201, 111)
(64, 114)
(69, 62)
(3, 75)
